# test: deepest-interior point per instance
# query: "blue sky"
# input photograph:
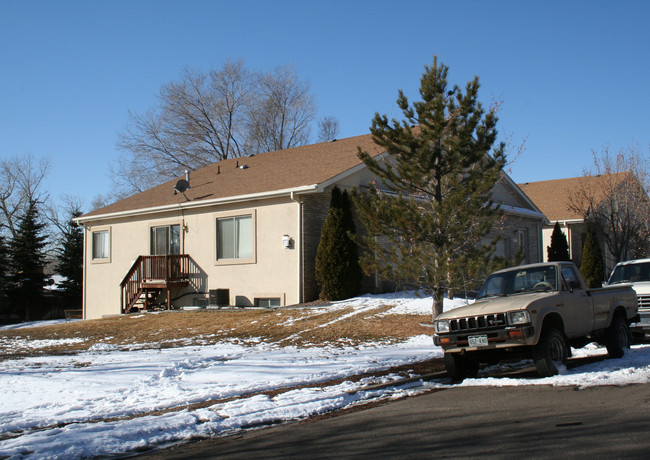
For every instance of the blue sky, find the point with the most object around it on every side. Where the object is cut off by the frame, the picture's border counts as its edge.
(573, 75)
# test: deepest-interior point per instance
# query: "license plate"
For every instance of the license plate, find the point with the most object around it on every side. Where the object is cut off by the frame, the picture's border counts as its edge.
(478, 341)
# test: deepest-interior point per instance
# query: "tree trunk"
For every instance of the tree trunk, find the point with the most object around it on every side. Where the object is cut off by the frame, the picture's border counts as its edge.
(438, 302)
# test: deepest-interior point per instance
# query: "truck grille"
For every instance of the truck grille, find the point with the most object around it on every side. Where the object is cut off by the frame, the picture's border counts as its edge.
(476, 323)
(644, 301)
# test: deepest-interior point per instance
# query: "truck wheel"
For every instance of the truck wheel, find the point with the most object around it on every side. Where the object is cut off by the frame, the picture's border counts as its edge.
(460, 367)
(551, 351)
(617, 337)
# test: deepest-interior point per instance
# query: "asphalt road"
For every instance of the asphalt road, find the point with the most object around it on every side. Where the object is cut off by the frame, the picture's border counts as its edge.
(509, 422)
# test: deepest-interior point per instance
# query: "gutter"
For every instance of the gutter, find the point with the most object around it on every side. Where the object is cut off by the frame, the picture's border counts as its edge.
(517, 211)
(198, 204)
(568, 221)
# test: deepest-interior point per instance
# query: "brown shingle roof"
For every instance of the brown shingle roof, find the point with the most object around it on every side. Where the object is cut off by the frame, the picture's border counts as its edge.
(552, 196)
(266, 172)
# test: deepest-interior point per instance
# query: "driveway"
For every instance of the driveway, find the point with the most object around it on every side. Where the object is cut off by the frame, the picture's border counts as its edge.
(512, 422)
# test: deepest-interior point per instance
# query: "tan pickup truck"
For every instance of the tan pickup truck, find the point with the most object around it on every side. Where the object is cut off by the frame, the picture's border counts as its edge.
(534, 311)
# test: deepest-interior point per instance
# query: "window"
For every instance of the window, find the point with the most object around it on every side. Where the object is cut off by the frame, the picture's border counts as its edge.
(101, 245)
(570, 278)
(165, 240)
(267, 303)
(235, 237)
(631, 273)
(522, 243)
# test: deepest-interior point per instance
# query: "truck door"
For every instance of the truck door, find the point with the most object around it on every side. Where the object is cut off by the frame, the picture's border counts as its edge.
(576, 305)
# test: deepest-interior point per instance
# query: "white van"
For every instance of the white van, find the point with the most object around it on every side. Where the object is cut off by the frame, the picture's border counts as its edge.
(637, 273)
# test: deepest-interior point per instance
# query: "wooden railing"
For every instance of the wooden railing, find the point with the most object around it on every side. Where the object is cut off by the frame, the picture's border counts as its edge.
(159, 270)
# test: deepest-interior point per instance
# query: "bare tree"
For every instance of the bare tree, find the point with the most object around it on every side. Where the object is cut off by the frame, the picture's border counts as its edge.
(208, 117)
(614, 198)
(328, 129)
(59, 215)
(21, 180)
(99, 201)
(199, 121)
(282, 113)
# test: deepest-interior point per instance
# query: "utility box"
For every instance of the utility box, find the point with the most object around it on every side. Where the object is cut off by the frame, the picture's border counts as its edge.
(219, 297)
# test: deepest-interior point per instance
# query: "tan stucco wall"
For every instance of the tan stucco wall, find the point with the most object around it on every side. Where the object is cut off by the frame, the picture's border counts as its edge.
(274, 271)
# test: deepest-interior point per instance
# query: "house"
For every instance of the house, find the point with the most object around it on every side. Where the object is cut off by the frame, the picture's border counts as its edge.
(243, 232)
(554, 199)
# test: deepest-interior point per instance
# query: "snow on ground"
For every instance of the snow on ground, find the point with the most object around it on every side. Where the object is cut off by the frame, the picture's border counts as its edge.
(104, 401)
(35, 324)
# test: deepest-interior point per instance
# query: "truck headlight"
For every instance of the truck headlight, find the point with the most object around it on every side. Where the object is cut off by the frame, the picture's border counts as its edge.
(442, 326)
(518, 317)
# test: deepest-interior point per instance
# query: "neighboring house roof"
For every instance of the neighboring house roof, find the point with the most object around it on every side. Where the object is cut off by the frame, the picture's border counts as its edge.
(297, 169)
(552, 196)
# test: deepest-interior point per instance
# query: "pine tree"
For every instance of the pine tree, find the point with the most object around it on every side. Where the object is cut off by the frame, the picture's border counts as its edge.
(27, 260)
(592, 267)
(337, 261)
(431, 206)
(70, 264)
(558, 251)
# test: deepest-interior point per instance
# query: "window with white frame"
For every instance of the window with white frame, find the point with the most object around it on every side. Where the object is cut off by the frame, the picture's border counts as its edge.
(165, 240)
(101, 249)
(235, 237)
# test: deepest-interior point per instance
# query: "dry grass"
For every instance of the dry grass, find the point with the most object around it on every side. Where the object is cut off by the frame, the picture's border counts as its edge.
(290, 326)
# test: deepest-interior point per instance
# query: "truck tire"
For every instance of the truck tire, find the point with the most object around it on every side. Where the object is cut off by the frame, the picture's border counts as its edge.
(617, 337)
(551, 351)
(460, 367)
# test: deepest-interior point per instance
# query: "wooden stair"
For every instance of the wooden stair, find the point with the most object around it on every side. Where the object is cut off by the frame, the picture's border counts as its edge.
(150, 276)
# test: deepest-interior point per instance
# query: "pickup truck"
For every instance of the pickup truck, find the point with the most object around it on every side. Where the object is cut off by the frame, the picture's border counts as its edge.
(534, 311)
(637, 274)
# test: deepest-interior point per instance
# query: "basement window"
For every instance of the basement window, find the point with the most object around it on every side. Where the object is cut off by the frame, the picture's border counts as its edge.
(267, 302)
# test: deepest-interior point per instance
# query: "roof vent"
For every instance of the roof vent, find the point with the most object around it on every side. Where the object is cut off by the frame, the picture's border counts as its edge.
(243, 167)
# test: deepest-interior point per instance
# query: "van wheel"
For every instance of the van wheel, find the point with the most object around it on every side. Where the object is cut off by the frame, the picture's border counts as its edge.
(551, 351)
(617, 337)
(460, 367)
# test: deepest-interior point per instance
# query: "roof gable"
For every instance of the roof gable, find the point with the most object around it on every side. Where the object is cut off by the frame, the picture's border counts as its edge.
(552, 196)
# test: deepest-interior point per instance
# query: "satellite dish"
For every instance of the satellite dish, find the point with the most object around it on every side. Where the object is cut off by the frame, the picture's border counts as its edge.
(181, 186)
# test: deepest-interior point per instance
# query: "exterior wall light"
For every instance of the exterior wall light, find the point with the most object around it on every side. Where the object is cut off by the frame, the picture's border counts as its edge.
(287, 242)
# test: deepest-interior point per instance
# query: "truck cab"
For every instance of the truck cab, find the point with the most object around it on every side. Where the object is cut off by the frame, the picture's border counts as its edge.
(637, 274)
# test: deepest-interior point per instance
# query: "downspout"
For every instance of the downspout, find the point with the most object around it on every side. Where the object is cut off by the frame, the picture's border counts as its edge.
(84, 283)
(299, 247)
